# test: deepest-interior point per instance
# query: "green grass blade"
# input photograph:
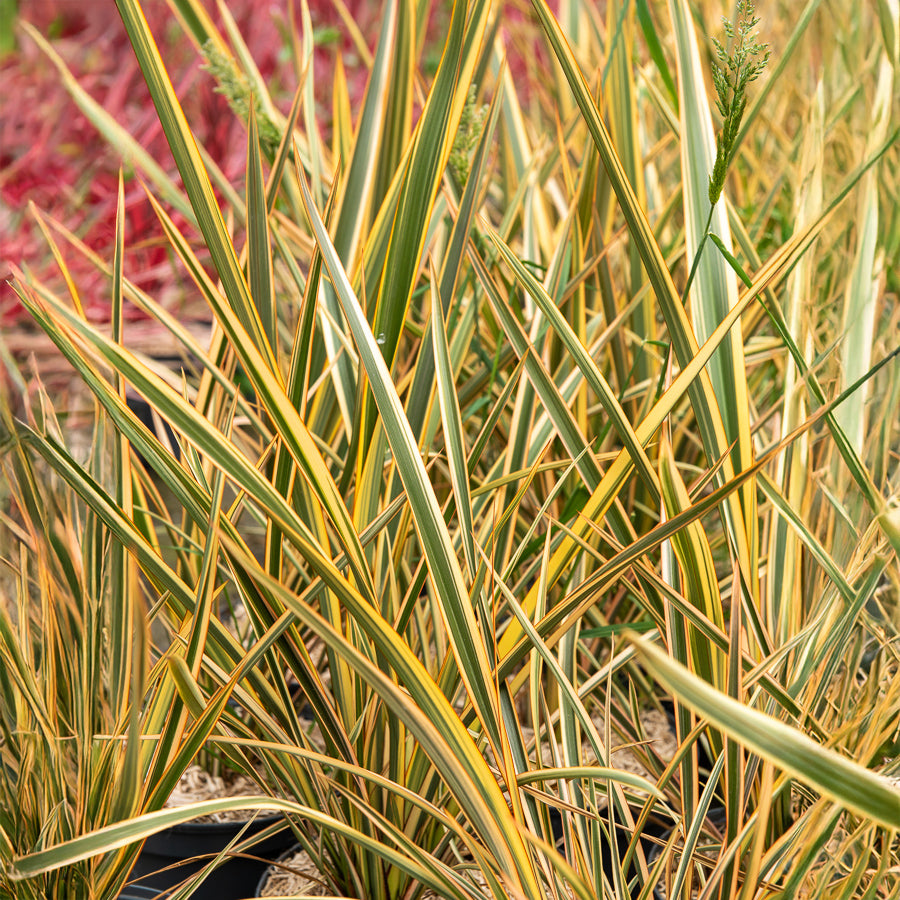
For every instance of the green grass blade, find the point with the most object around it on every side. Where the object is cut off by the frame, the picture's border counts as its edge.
(293, 430)
(453, 432)
(783, 594)
(437, 545)
(355, 205)
(700, 582)
(684, 343)
(854, 787)
(556, 408)
(452, 266)
(620, 96)
(185, 419)
(416, 700)
(592, 374)
(655, 49)
(782, 58)
(714, 290)
(863, 289)
(259, 244)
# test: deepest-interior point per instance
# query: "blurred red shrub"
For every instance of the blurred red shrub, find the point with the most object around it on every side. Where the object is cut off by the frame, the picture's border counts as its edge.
(51, 155)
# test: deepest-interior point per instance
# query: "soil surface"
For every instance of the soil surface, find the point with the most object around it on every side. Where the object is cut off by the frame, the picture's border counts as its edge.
(197, 784)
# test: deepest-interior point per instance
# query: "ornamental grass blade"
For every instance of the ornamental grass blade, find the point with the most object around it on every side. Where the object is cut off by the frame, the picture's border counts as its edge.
(123, 530)
(453, 431)
(402, 226)
(619, 86)
(357, 200)
(414, 697)
(304, 49)
(197, 23)
(784, 596)
(423, 869)
(259, 243)
(452, 262)
(122, 834)
(684, 342)
(620, 469)
(780, 64)
(86, 486)
(422, 172)
(714, 289)
(700, 584)
(580, 356)
(560, 617)
(295, 434)
(847, 783)
(787, 257)
(865, 286)
(184, 337)
(450, 587)
(209, 440)
(196, 180)
(654, 48)
(540, 379)
(574, 706)
(127, 628)
(127, 613)
(341, 116)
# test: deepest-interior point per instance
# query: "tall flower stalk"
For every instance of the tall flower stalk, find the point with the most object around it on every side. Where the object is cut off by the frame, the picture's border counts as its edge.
(735, 68)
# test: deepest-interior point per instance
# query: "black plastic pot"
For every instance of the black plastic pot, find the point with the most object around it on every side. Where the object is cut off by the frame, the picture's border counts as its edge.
(717, 815)
(649, 838)
(163, 431)
(139, 892)
(173, 855)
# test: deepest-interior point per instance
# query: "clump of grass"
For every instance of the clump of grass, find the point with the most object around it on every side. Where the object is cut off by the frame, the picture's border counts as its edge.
(471, 479)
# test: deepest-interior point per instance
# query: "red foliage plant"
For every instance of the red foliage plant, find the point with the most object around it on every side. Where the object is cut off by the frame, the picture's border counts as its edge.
(51, 156)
